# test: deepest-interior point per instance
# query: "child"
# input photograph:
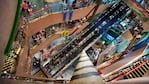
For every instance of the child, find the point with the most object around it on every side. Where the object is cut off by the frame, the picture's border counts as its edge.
(29, 8)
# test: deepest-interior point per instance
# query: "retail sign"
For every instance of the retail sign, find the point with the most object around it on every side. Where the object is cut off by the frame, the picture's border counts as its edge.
(64, 33)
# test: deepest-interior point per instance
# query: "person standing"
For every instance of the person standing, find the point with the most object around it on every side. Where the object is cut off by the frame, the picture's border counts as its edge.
(24, 8)
(29, 8)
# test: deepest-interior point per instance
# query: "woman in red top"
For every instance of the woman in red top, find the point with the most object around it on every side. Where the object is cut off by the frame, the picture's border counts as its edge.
(24, 5)
(24, 8)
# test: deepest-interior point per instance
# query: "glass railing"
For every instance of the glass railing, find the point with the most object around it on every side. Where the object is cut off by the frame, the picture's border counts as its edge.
(57, 7)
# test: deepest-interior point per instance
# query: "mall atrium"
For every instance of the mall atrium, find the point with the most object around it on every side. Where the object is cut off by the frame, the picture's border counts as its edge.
(74, 42)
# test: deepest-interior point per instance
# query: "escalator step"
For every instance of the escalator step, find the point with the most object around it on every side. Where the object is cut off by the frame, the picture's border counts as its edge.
(147, 63)
(139, 72)
(128, 76)
(147, 66)
(136, 74)
(131, 76)
(142, 71)
(144, 68)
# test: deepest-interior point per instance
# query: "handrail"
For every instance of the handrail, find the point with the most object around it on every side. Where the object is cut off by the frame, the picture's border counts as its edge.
(14, 28)
(90, 12)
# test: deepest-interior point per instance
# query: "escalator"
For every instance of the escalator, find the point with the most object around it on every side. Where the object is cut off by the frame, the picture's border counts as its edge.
(136, 69)
(92, 32)
(139, 71)
(88, 30)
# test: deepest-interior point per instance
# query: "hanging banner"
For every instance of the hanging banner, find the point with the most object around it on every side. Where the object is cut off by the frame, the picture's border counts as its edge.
(70, 14)
(64, 16)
